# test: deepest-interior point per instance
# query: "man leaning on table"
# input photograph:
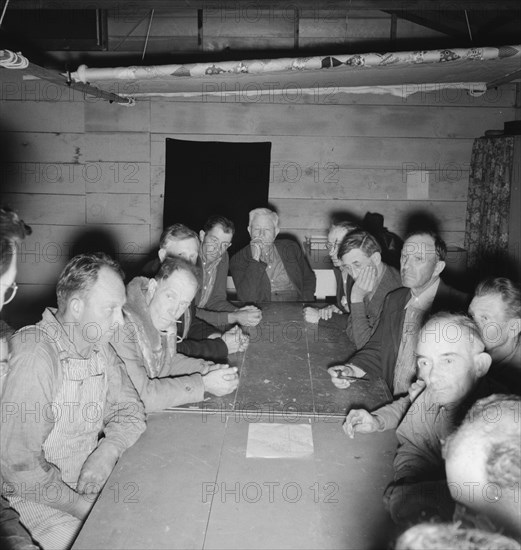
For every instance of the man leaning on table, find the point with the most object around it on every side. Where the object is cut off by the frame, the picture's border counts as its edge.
(147, 342)
(334, 314)
(13, 536)
(212, 303)
(69, 408)
(389, 353)
(271, 269)
(361, 256)
(451, 363)
(199, 339)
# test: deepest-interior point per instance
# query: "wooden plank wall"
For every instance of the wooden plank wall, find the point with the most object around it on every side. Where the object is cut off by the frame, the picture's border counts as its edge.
(70, 165)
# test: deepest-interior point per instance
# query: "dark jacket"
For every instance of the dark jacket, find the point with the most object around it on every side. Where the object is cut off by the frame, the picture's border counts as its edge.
(197, 344)
(378, 356)
(252, 283)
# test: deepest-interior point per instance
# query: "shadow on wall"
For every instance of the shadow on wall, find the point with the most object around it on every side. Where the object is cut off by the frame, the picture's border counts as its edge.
(421, 220)
(374, 223)
(28, 305)
(93, 239)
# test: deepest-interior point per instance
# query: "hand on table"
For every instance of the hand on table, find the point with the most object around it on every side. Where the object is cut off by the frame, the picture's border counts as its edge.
(337, 371)
(97, 468)
(364, 284)
(313, 314)
(235, 340)
(247, 316)
(209, 366)
(327, 312)
(360, 421)
(221, 381)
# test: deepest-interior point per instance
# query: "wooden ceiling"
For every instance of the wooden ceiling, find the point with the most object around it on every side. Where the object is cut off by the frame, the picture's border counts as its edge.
(62, 34)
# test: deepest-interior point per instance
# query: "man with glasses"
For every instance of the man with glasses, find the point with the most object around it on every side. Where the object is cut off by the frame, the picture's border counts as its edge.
(271, 269)
(212, 304)
(13, 535)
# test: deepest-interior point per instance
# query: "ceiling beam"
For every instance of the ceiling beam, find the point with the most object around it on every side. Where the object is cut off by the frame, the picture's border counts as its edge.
(57, 78)
(434, 24)
(515, 75)
(233, 5)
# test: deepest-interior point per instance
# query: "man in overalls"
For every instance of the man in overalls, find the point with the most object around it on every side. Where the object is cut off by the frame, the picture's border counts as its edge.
(69, 408)
(13, 230)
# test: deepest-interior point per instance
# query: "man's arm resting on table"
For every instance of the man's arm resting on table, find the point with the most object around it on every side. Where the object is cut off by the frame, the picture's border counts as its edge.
(385, 418)
(369, 358)
(210, 349)
(389, 416)
(159, 394)
(217, 319)
(173, 387)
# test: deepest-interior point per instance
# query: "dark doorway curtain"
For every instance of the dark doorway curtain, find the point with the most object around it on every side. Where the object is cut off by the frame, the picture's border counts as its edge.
(488, 206)
(212, 177)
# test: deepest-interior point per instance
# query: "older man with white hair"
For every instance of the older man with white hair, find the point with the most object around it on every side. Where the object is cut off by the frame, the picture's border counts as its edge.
(271, 269)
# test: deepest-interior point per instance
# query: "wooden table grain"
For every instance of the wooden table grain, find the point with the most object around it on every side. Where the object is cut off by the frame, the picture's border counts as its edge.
(188, 482)
(285, 369)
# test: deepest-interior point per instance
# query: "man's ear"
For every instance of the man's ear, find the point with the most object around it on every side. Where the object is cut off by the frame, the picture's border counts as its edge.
(162, 254)
(201, 235)
(482, 362)
(514, 326)
(151, 290)
(376, 258)
(440, 266)
(75, 307)
(277, 231)
(249, 230)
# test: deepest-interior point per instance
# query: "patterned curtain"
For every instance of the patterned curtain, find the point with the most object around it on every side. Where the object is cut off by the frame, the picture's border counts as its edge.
(488, 206)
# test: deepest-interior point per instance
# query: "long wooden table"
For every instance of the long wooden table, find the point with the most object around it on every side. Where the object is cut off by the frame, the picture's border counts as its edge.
(285, 369)
(188, 482)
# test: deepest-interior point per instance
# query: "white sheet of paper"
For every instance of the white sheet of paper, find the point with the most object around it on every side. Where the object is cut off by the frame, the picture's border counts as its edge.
(279, 441)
